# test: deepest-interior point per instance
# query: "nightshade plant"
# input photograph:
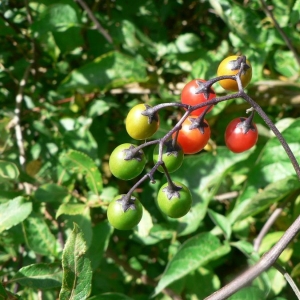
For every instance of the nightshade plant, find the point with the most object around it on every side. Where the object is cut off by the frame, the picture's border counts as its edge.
(71, 71)
(174, 198)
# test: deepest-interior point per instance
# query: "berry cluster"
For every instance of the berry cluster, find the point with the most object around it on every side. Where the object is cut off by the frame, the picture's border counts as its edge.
(189, 136)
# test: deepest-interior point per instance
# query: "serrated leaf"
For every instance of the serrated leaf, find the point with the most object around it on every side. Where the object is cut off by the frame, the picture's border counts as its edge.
(38, 236)
(222, 222)
(51, 192)
(80, 162)
(273, 193)
(195, 252)
(110, 296)
(77, 271)
(110, 70)
(14, 212)
(39, 276)
(84, 222)
(8, 170)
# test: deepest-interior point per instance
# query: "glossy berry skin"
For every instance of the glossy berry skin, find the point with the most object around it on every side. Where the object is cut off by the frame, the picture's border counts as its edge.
(172, 158)
(230, 66)
(175, 204)
(193, 140)
(140, 126)
(124, 168)
(239, 137)
(122, 215)
(195, 93)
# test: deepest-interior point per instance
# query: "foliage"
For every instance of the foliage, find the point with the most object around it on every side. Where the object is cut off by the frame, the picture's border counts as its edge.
(67, 84)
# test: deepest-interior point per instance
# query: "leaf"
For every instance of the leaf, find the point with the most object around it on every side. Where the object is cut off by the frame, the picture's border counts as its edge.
(209, 283)
(39, 276)
(101, 236)
(50, 192)
(273, 193)
(3, 294)
(77, 271)
(269, 241)
(273, 164)
(56, 17)
(248, 293)
(110, 70)
(195, 252)
(204, 182)
(14, 212)
(241, 21)
(110, 296)
(79, 162)
(285, 63)
(70, 209)
(38, 236)
(222, 222)
(8, 171)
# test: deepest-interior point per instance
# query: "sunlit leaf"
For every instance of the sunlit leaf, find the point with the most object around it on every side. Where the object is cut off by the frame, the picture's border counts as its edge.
(77, 272)
(14, 212)
(79, 162)
(39, 276)
(195, 252)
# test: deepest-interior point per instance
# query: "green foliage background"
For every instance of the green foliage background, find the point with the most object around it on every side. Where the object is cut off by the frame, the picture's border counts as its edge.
(76, 86)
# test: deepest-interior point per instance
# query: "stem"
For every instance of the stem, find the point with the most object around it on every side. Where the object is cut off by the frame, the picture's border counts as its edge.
(288, 278)
(281, 139)
(267, 260)
(91, 15)
(257, 242)
(281, 32)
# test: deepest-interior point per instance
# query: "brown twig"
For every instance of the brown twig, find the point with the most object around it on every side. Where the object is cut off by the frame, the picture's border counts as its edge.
(281, 32)
(267, 261)
(96, 22)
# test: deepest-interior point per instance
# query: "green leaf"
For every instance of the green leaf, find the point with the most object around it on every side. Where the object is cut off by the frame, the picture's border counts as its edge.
(39, 276)
(269, 241)
(71, 209)
(243, 22)
(209, 283)
(3, 294)
(14, 212)
(56, 17)
(110, 296)
(110, 70)
(273, 193)
(51, 192)
(101, 236)
(222, 222)
(286, 64)
(195, 252)
(79, 162)
(8, 171)
(77, 271)
(38, 236)
(248, 293)
(84, 222)
(204, 182)
(273, 164)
